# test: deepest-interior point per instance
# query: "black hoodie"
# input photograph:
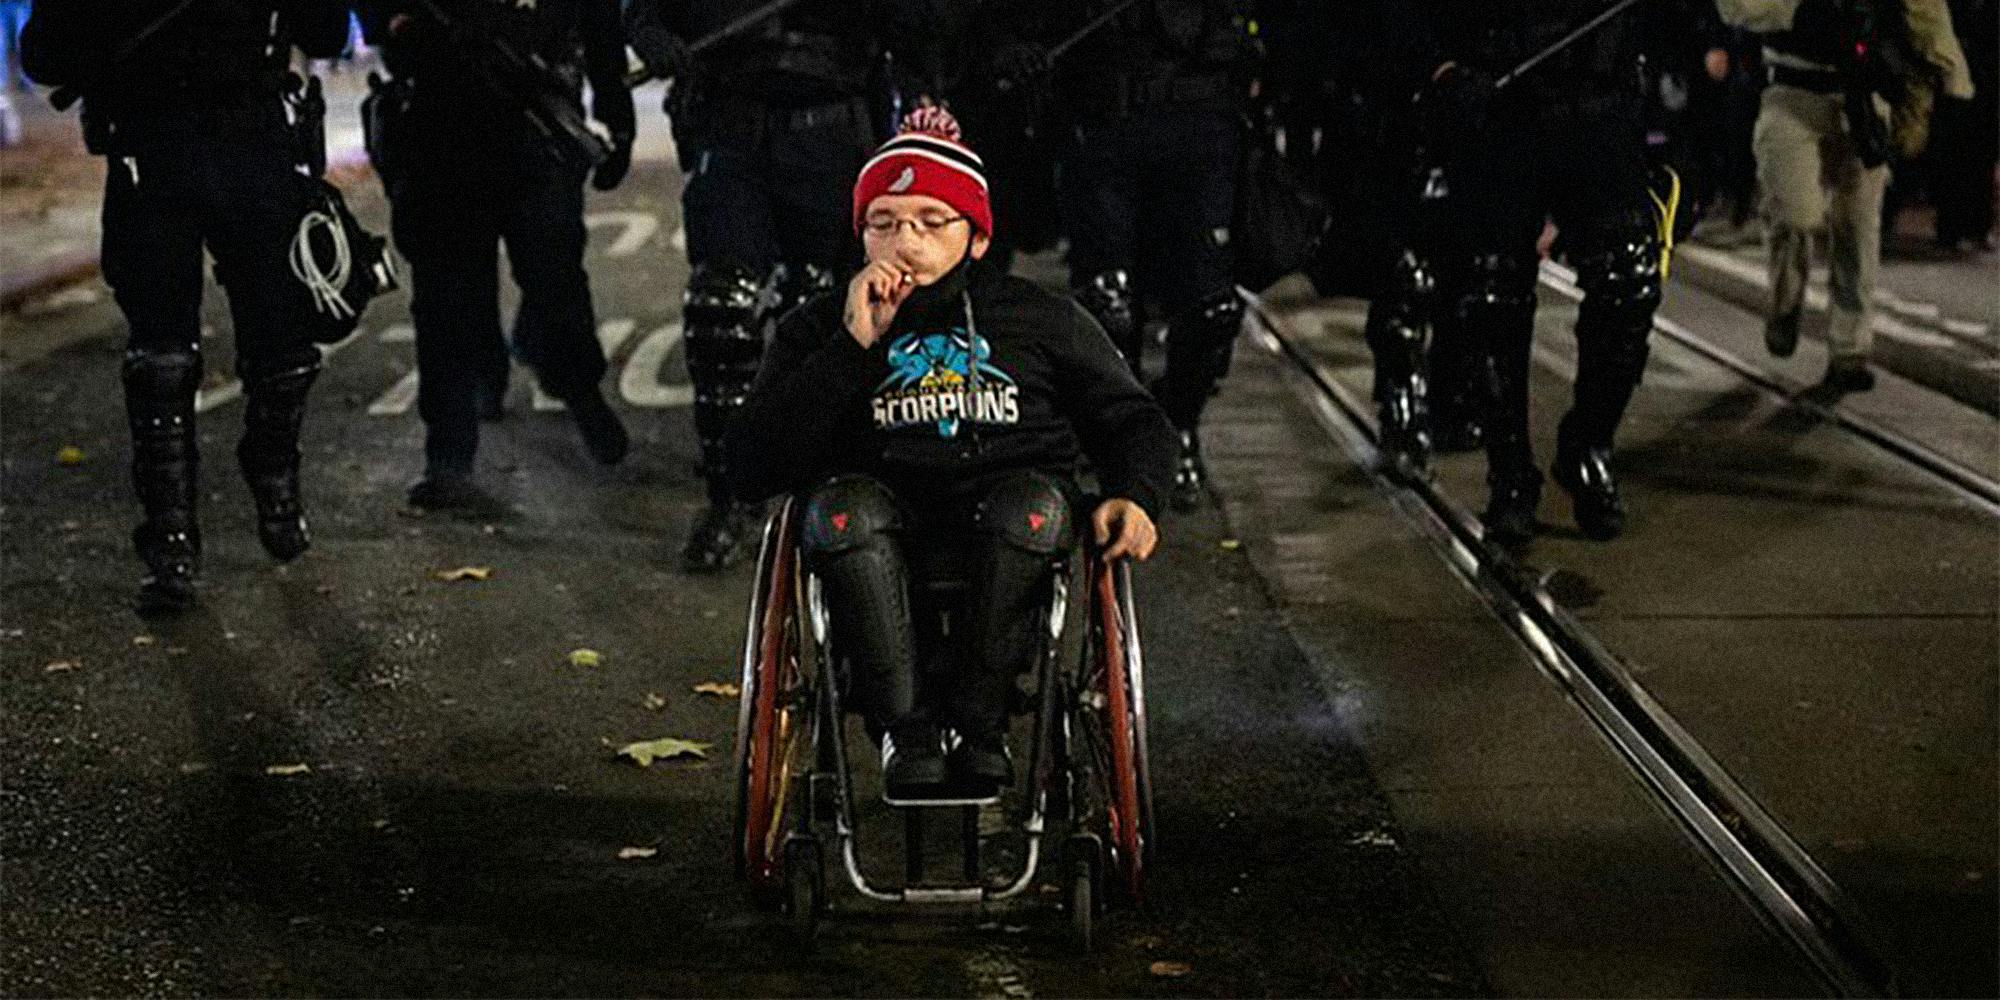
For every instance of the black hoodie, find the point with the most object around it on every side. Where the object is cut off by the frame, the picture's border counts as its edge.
(979, 373)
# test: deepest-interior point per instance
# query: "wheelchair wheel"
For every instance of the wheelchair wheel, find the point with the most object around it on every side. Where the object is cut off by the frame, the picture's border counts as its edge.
(772, 724)
(1112, 714)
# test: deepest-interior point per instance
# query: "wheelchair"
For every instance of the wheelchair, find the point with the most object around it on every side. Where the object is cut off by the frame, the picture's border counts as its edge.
(796, 793)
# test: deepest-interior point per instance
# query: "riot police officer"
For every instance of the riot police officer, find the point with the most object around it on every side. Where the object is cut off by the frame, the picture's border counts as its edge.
(772, 124)
(185, 101)
(487, 144)
(1564, 140)
(1154, 100)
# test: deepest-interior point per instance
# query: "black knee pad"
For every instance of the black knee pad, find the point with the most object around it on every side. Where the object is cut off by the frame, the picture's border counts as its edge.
(848, 513)
(1108, 298)
(1031, 512)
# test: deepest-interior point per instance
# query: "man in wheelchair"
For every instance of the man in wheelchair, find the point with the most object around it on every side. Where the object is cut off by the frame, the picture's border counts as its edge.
(938, 416)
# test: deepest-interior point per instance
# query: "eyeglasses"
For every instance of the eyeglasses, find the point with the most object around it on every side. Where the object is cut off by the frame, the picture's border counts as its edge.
(923, 225)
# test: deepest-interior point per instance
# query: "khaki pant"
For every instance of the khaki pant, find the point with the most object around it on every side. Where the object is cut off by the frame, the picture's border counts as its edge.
(1804, 153)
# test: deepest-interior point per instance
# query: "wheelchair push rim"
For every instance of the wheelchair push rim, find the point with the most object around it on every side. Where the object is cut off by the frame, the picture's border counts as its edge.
(1113, 699)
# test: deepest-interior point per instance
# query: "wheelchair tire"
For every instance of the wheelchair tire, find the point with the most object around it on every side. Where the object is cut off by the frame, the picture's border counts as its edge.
(805, 888)
(1116, 699)
(1082, 893)
(771, 720)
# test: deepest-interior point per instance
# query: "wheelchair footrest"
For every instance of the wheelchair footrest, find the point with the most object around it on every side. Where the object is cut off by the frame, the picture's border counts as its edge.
(940, 803)
(944, 894)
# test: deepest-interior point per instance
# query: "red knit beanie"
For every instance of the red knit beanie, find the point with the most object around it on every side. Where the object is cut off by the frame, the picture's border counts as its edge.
(927, 158)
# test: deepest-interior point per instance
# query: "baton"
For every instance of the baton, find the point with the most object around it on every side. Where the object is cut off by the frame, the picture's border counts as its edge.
(1564, 42)
(64, 96)
(1056, 52)
(635, 68)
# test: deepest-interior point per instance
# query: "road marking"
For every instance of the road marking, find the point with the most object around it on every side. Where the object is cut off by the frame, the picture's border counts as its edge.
(679, 240)
(232, 390)
(398, 333)
(996, 976)
(1887, 325)
(635, 228)
(398, 399)
(639, 383)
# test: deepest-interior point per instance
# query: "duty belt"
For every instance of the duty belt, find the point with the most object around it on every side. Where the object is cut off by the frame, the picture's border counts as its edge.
(744, 121)
(1819, 81)
(1130, 93)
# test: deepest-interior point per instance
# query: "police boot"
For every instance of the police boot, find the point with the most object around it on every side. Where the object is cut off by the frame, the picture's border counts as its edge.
(160, 389)
(1584, 470)
(724, 347)
(274, 409)
(1190, 473)
(1500, 305)
(603, 433)
(719, 536)
(1456, 401)
(1397, 341)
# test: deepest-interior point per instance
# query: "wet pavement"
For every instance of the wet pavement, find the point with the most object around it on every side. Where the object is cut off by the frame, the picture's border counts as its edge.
(350, 776)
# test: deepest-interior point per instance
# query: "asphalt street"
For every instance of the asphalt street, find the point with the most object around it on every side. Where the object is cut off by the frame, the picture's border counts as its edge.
(348, 776)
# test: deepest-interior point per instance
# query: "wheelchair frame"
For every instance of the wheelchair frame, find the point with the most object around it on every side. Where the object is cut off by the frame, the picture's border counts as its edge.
(794, 782)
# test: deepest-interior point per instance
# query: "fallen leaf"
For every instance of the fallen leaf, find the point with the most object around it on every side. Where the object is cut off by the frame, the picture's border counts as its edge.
(323, 589)
(636, 853)
(645, 752)
(1170, 970)
(463, 573)
(193, 767)
(585, 658)
(720, 689)
(60, 666)
(142, 641)
(72, 526)
(1229, 544)
(287, 770)
(654, 702)
(69, 454)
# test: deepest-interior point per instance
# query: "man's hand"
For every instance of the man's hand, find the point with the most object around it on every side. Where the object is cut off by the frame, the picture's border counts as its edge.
(1716, 62)
(1124, 530)
(664, 54)
(873, 298)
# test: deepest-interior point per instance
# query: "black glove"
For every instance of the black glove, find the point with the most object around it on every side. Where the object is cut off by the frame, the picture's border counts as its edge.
(665, 55)
(1019, 65)
(609, 173)
(1456, 106)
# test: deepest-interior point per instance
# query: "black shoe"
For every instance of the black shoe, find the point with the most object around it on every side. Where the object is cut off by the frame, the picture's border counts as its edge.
(603, 433)
(980, 763)
(1849, 375)
(1510, 509)
(1190, 474)
(170, 545)
(1586, 475)
(1781, 334)
(912, 761)
(449, 491)
(718, 539)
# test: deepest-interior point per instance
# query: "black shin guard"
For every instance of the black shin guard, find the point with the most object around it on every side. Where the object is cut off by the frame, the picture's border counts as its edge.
(274, 411)
(851, 542)
(724, 348)
(1108, 298)
(1395, 331)
(160, 389)
(1200, 343)
(1025, 522)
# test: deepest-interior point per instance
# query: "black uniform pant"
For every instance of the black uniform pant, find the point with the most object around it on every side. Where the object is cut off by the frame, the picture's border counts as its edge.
(451, 214)
(218, 178)
(766, 185)
(1589, 173)
(1152, 194)
(876, 548)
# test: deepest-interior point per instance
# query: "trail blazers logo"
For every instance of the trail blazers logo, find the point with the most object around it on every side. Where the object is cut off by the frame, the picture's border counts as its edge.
(944, 379)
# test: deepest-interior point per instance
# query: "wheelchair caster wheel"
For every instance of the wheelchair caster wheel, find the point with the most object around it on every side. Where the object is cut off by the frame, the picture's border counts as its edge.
(805, 888)
(1082, 893)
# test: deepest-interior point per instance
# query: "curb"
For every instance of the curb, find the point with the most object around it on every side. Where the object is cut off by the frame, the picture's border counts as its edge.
(23, 285)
